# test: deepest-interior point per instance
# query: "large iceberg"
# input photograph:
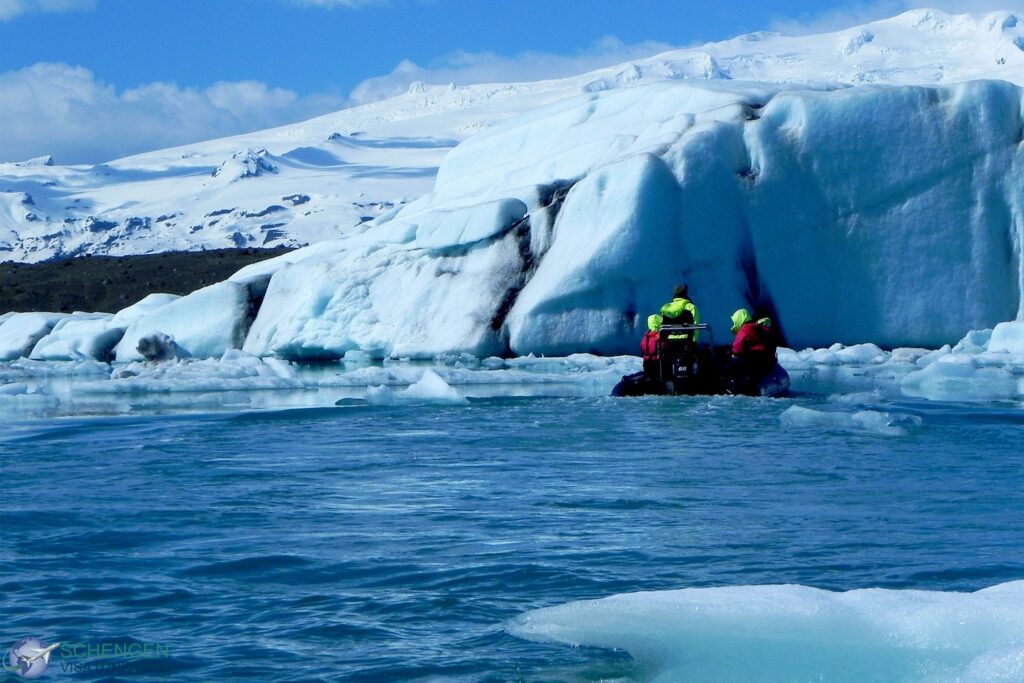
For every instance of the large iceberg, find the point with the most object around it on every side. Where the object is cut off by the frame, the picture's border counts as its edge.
(852, 214)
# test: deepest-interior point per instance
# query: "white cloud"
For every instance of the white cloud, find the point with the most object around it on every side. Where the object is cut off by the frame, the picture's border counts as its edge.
(464, 68)
(856, 13)
(65, 111)
(10, 9)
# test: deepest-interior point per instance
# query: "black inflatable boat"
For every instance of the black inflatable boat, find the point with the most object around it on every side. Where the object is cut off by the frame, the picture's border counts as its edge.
(689, 364)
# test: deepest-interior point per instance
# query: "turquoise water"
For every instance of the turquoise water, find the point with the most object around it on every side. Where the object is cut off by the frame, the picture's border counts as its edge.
(396, 542)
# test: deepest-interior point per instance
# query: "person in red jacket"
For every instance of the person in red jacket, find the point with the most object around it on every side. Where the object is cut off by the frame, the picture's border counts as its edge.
(753, 349)
(650, 347)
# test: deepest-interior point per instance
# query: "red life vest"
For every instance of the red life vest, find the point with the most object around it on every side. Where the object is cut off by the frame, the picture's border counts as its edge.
(750, 338)
(649, 347)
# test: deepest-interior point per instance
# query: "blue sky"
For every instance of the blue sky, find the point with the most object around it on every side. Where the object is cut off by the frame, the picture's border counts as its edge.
(218, 67)
(313, 48)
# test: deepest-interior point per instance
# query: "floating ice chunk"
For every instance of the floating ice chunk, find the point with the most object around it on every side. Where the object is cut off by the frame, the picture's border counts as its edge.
(206, 323)
(886, 424)
(264, 366)
(376, 376)
(861, 354)
(236, 371)
(22, 331)
(858, 397)
(433, 389)
(429, 389)
(1008, 337)
(837, 355)
(963, 377)
(79, 336)
(798, 633)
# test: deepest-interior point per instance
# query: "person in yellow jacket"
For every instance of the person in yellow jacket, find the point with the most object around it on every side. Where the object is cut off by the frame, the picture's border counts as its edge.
(679, 311)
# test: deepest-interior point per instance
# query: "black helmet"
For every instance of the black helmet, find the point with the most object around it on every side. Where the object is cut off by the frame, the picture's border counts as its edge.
(681, 292)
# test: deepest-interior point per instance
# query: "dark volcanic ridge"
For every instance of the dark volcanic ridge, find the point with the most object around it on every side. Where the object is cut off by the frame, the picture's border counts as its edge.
(110, 283)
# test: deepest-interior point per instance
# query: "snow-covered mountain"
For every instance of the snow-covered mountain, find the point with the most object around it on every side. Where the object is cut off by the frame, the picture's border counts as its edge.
(329, 176)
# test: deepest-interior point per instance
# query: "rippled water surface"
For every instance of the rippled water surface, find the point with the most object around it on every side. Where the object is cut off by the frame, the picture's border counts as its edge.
(394, 543)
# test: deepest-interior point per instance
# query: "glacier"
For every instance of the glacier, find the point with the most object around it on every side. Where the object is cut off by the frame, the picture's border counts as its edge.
(792, 632)
(876, 213)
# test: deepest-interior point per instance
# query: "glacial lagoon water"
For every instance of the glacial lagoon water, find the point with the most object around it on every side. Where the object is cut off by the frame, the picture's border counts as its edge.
(403, 542)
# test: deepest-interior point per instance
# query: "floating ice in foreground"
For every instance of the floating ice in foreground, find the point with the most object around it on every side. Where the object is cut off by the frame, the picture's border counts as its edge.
(798, 633)
(873, 421)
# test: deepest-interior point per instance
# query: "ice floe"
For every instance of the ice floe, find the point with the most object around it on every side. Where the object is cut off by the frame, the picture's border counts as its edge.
(430, 389)
(798, 633)
(871, 421)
